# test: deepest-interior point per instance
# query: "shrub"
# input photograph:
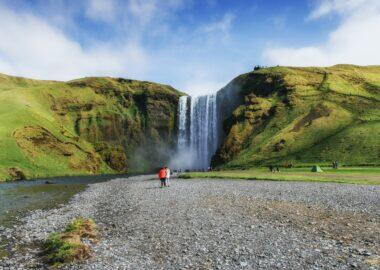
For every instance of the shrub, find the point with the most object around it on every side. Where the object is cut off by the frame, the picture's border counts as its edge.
(66, 247)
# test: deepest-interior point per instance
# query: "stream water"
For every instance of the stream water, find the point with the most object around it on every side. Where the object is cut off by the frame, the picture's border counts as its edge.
(20, 197)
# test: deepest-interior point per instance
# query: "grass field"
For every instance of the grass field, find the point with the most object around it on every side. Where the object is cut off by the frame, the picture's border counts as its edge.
(348, 175)
(82, 127)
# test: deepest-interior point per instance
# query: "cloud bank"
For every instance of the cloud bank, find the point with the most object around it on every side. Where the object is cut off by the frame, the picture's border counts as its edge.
(356, 40)
(137, 39)
(196, 46)
(32, 47)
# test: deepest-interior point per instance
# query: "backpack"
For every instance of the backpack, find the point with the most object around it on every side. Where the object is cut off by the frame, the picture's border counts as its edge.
(162, 173)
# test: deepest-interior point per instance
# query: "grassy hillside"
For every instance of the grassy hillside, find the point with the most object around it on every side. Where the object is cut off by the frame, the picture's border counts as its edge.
(303, 116)
(85, 126)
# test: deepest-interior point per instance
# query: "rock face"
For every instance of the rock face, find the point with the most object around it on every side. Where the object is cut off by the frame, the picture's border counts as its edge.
(285, 115)
(143, 130)
(85, 126)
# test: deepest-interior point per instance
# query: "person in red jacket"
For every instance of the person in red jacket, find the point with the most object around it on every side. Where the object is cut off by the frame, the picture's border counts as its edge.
(162, 176)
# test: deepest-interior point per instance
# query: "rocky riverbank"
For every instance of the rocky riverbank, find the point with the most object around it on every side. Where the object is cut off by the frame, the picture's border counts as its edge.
(214, 224)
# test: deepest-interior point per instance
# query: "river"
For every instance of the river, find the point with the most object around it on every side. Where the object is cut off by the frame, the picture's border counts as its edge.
(20, 197)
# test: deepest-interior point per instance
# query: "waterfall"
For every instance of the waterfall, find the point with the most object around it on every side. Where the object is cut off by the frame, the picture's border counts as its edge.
(197, 131)
(182, 123)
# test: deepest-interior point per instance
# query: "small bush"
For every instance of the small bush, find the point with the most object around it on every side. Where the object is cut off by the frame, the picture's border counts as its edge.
(66, 247)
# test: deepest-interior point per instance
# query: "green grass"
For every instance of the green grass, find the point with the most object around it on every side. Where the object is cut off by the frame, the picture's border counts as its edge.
(93, 125)
(348, 175)
(66, 247)
(316, 115)
(27, 103)
(108, 125)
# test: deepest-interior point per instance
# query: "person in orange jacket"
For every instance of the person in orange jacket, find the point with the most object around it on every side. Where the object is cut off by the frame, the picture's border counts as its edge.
(162, 176)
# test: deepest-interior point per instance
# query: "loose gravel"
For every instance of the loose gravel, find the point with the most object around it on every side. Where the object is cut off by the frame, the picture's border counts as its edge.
(214, 224)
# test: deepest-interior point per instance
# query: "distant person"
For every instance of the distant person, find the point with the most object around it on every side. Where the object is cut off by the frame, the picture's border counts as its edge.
(336, 164)
(162, 176)
(277, 169)
(271, 168)
(168, 174)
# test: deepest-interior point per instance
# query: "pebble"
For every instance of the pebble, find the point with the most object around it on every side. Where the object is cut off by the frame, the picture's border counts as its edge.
(206, 224)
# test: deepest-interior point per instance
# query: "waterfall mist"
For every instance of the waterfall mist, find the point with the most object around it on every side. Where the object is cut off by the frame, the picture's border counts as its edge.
(197, 132)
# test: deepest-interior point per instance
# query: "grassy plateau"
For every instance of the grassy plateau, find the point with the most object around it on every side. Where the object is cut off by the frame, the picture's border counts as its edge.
(348, 175)
(302, 116)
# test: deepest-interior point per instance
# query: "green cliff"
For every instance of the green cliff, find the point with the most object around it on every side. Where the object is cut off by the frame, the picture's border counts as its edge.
(85, 126)
(302, 116)
(278, 115)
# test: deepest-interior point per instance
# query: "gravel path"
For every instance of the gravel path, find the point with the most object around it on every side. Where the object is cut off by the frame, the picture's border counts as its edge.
(215, 224)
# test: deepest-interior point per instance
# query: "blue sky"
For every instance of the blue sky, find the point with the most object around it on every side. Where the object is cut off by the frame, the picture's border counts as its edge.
(195, 46)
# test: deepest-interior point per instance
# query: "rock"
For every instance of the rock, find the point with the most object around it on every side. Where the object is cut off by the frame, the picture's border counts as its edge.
(16, 174)
(243, 264)
(143, 227)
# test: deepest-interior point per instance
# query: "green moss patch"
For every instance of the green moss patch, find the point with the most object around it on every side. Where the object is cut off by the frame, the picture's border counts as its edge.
(68, 246)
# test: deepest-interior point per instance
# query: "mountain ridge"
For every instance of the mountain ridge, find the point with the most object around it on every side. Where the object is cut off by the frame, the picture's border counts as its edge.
(290, 115)
(84, 126)
(275, 115)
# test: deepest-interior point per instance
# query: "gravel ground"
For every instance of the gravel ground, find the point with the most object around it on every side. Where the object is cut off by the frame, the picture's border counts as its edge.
(214, 224)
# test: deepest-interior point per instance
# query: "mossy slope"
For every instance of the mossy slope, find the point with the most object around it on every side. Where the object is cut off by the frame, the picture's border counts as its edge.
(85, 126)
(303, 116)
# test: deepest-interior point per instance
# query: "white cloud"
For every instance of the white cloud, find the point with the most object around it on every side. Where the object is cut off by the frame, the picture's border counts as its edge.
(144, 44)
(356, 40)
(102, 10)
(143, 10)
(152, 13)
(326, 7)
(198, 87)
(31, 47)
(222, 25)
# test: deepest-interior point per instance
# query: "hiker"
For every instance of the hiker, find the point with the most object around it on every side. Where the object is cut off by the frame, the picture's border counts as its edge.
(335, 164)
(162, 176)
(168, 173)
(271, 168)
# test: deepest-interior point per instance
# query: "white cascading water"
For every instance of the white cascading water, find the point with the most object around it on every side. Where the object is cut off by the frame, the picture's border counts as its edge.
(197, 131)
(182, 123)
